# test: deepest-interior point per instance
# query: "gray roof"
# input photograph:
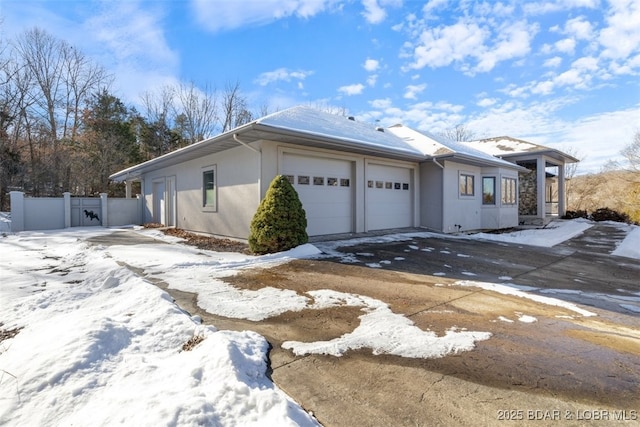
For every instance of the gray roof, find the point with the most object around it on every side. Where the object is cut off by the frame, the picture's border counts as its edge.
(309, 127)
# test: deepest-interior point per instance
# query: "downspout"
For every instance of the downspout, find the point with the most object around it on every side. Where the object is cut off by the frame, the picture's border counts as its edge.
(236, 139)
(436, 162)
(259, 152)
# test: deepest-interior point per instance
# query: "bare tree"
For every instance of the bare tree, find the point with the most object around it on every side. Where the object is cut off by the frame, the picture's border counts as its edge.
(459, 133)
(235, 110)
(199, 109)
(159, 109)
(54, 80)
(632, 154)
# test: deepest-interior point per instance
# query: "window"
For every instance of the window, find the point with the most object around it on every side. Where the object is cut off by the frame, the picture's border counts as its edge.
(344, 182)
(509, 186)
(318, 180)
(332, 182)
(466, 184)
(488, 190)
(303, 180)
(209, 188)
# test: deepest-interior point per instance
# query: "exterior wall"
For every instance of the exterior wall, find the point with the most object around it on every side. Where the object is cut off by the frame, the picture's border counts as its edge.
(461, 213)
(431, 193)
(498, 215)
(238, 180)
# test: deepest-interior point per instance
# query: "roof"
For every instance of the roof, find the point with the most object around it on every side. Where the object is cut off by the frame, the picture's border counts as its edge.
(312, 128)
(506, 146)
(439, 148)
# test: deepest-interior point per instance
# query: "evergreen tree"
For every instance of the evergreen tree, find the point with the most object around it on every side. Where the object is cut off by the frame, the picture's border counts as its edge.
(280, 223)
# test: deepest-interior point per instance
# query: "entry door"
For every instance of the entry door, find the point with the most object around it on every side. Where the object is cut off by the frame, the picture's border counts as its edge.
(171, 201)
(158, 202)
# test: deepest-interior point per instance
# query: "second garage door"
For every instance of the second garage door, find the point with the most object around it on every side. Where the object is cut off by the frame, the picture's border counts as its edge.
(325, 189)
(389, 197)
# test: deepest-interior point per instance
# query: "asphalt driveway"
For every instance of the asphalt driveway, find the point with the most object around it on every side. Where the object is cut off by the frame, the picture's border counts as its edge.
(561, 368)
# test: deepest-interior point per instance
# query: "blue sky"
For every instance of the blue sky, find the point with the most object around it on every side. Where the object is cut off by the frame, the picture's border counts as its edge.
(562, 73)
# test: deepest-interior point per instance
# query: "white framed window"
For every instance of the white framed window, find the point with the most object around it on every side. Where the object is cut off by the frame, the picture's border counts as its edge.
(209, 188)
(509, 191)
(467, 184)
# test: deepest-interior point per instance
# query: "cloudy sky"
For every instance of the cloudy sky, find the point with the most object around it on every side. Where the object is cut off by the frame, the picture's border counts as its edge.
(563, 73)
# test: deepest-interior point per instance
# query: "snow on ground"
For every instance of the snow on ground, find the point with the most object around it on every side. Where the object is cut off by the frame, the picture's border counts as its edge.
(554, 233)
(630, 246)
(97, 342)
(98, 345)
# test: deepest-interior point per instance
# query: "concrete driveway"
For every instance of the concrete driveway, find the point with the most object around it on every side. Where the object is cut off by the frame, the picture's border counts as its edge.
(558, 369)
(561, 369)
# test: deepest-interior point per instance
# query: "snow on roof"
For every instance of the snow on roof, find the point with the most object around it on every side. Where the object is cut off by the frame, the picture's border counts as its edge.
(318, 123)
(435, 146)
(504, 145)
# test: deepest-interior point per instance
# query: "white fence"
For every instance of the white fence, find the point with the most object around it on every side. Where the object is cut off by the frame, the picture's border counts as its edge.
(50, 213)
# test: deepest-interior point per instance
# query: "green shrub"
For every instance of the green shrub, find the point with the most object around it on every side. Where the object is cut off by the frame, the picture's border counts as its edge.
(280, 223)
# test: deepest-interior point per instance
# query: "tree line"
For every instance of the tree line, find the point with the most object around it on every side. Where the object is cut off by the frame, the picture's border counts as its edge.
(63, 129)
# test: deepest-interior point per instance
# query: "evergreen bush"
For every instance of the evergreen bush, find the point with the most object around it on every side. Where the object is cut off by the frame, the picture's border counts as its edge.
(280, 223)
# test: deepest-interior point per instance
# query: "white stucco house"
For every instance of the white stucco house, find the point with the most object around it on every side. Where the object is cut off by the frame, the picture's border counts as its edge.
(351, 177)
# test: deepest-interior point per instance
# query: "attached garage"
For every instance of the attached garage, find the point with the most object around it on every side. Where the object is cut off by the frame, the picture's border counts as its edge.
(325, 188)
(389, 197)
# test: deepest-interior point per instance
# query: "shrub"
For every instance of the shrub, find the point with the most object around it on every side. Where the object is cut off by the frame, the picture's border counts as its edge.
(575, 214)
(280, 223)
(606, 214)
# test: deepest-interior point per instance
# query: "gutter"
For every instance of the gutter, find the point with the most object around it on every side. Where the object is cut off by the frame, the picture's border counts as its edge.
(436, 162)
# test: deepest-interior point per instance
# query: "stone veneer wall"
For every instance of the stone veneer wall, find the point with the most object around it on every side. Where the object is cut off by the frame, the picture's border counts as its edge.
(528, 204)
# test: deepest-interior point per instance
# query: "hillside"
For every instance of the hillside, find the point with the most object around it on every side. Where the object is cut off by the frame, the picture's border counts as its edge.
(617, 190)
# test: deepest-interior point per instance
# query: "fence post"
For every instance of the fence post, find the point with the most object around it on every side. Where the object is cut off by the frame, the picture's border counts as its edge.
(17, 211)
(105, 210)
(67, 209)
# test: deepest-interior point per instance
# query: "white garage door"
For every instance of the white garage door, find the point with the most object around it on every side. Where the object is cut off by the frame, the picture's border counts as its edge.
(325, 190)
(389, 197)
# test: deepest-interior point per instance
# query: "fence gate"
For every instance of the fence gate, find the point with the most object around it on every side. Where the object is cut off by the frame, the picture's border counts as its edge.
(85, 211)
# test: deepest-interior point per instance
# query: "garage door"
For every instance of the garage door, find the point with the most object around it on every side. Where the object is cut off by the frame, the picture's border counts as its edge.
(389, 197)
(325, 190)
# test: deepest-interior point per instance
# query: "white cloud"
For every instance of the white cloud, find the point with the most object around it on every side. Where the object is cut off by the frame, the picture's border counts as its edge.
(412, 91)
(354, 89)
(373, 13)
(579, 28)
(543, 7)
(553, 62)
(441, 46)
(372, 80)
(486, 102)
(476, 45)
(621, 37)
(281, 74)
(374, 10)
(216, 15)
(513, 41)
(565, 45)
(371, 65)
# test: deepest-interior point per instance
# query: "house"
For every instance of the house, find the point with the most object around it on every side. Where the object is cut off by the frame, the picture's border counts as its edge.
(546, 170)
(351, 177)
